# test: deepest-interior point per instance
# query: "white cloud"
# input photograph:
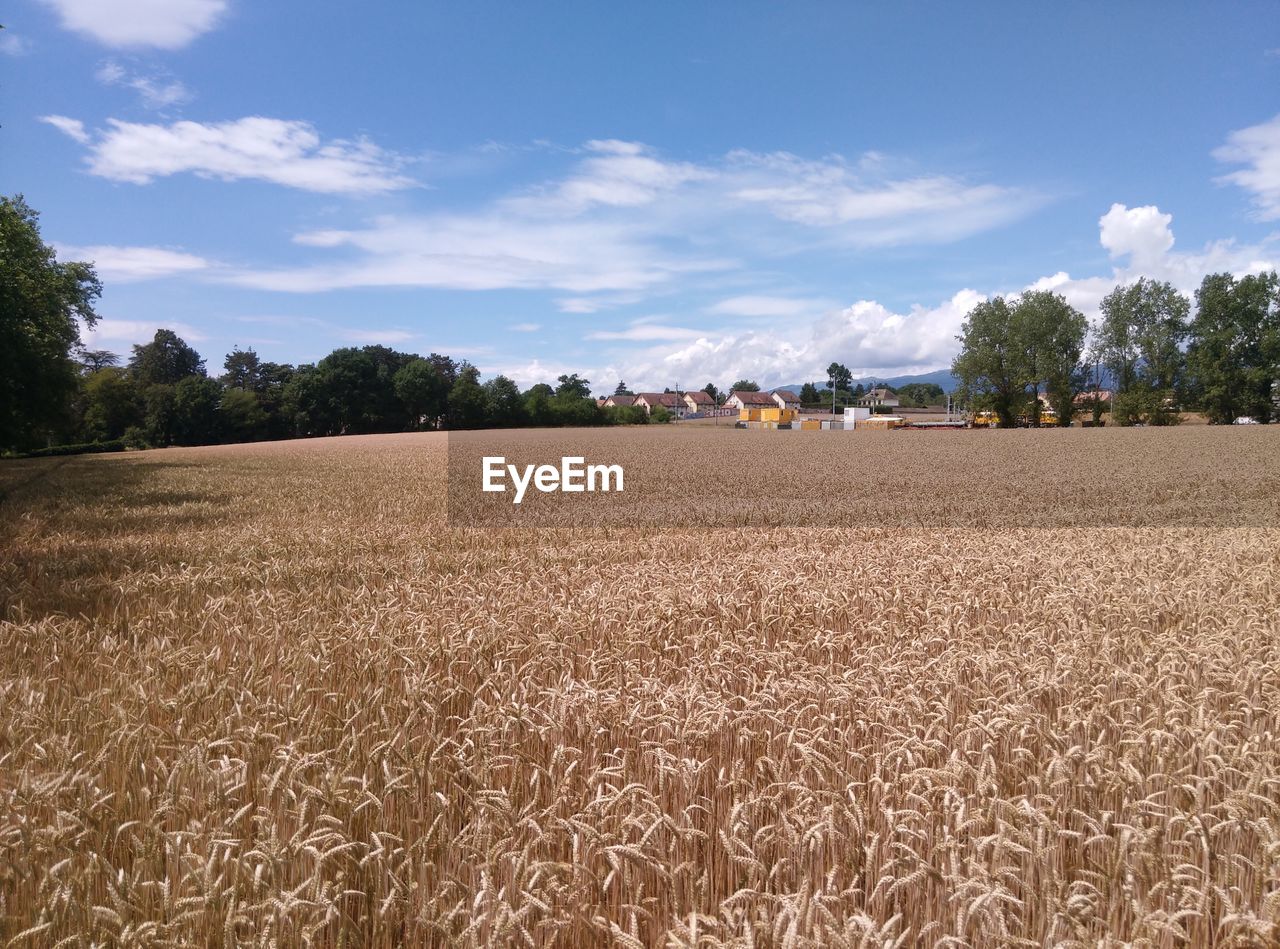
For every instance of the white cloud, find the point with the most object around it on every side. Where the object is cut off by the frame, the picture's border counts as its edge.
(166, 24)
(131, 264)
(72, 128)
(645, 331)
(872, 339)
(767, 306)
(1257, 147)
(623, 220)
(110, 330)
(1142, 234)
(485, 252)
(525, 327)
(619, 174)
(284, 152)
(862, 204)
(156, 92)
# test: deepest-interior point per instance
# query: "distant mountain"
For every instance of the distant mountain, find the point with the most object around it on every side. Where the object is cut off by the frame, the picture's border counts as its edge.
(942, 377)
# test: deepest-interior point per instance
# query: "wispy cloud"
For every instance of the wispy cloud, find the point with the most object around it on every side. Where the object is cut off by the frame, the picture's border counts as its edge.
(156, 91)
(625, 220)
(289, 153)
(1258, 149)
(132, 264)
(11, 44)
(165, 24)
(111, 330)
(525, 327)
(645, 331)
(768, 306)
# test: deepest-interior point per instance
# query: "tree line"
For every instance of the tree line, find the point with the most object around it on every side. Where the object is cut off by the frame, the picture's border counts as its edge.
(1019, 353)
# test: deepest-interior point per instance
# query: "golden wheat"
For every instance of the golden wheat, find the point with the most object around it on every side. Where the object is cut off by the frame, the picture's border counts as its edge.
(271, 695)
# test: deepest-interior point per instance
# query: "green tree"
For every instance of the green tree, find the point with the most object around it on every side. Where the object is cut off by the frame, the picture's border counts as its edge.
(1140, 338)
(988, 364)
(573, 386)
(621, 389)
(839, 377)
(424, 391)
(921, 394)
(1234, 353)
(467, 403)
(196, 417)
(1049, 335)
(241, 416)
(111, 404)
(242, 369)
(809, 394)
(41, 302)
(91, 360)
(165, 361)
(504, 405)
(159, 415)
(712, 391)
(744, 385)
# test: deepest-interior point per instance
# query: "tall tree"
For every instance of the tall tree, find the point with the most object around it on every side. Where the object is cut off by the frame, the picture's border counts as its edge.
(839, 377)
(424, 391)
(621, 389)
(166, 360)
(1049, 334)
(573, 386)
(42, 302)
(504, 405)
(467, 403)
(1140, 338)
(711, 390)
(744, 385)
(111, 404)
(1234, 354)
(809, 394)
(196, 417)
(242, 369)
(988, 365)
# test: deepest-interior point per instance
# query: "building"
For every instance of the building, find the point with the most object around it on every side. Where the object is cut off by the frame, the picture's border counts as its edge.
(881, 395)
(750, 400)
(786, 399)
(1087, 397)
(619, 400)
(668, 400)
(698, 402)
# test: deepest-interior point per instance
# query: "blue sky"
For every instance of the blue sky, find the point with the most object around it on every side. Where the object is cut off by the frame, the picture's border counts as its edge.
(666, 193)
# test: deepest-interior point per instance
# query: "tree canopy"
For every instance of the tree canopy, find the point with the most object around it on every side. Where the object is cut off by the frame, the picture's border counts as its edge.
(43, 301)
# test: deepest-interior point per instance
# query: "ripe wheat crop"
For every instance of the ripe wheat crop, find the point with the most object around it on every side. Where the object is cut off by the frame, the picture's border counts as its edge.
(281, 695)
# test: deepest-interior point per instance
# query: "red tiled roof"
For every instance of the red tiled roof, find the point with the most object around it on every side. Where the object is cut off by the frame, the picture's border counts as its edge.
(667, 399)
(754, 398)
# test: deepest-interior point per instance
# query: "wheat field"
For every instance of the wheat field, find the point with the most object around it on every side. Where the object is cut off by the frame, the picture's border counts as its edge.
(276, 695)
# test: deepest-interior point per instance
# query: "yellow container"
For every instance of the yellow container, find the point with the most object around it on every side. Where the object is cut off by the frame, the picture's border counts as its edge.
(749, 415)
(810, 425)
(771, 415)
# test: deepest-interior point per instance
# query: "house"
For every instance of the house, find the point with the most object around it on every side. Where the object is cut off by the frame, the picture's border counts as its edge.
(668, 400)
(747, 400)
(619, 400)
(698, 402)
(1087, 397)
(881, 395)
(786, 399)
